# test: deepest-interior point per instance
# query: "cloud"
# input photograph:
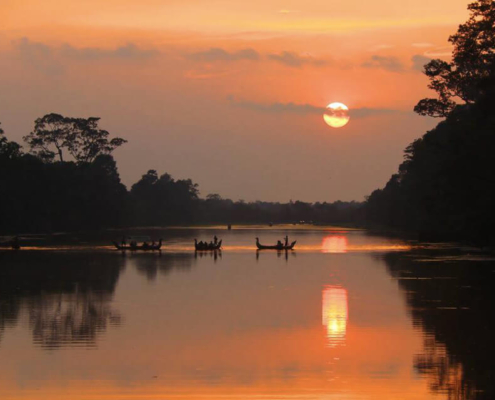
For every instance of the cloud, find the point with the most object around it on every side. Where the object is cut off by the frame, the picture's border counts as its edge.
(304, 109)
(50, 59)
(129, 51)
(291, 59)
(219, 54)
(443, 51)
(379, 47)
(382, 62)
(365, 112)
(421, 45)
(39, 56)
(419, 61)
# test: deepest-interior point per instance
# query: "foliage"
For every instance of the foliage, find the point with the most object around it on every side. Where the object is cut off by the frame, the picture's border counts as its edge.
(445, 187)
(473, 61)
(80, 137)
(8, 149)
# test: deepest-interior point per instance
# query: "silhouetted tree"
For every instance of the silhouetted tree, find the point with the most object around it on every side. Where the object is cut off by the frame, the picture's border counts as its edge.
(8, 149)
(444, 188)
(81, 137)
(473, 61)
(163, 200)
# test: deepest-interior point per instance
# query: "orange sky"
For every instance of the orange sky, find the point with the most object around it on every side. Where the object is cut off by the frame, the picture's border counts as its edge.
(229, 93)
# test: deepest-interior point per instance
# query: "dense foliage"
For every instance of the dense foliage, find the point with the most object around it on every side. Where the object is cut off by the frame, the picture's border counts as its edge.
(41, 192)
(445, 188)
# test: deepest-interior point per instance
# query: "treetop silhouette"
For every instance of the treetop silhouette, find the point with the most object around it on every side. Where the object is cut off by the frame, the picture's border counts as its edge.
(80, 137)
(473, 62)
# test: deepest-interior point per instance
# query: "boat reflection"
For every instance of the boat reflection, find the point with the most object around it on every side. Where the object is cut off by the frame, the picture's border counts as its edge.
(334, 244)
(335, 314)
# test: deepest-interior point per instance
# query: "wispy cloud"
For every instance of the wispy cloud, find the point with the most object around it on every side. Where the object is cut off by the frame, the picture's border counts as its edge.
(219, 54)
(419, 61)
(292, 59)
(422, 45)
(129, 51)
(382, 46)
(443, 51)
(39, 56)
(392, 64)
(286, 11)
(306, 108)
(51, 60)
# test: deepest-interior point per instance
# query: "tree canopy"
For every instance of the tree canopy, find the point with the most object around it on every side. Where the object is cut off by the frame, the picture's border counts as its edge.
(473, 63)
(80, 137)
(445, 187)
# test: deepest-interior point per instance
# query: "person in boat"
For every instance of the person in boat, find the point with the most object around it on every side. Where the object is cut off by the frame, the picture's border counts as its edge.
(215, 240)
(133, 244)
(145, 245)
(279, 244)
(124, 242)
(286, 240)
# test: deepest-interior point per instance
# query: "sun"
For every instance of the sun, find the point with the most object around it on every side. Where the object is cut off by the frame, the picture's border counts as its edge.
(336, 115)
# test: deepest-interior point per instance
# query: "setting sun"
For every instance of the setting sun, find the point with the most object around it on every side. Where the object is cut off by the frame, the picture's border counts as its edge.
(337, 115)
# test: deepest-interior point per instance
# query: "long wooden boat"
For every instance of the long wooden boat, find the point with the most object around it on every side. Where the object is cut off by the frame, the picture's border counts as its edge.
(206, 246)
(276, 247)
(142, 247)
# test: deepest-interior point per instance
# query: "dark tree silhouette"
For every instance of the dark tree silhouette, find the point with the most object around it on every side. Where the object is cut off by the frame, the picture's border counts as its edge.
(444, 188)
(81, 137)
(8, 149)
(473, 61)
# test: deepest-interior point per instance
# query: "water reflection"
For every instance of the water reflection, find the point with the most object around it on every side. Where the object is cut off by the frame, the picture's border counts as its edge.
(150, 264)
(65, 297)
(280, 253)
(215, 254)
(335, 314)
(452, 303)
(334, 244)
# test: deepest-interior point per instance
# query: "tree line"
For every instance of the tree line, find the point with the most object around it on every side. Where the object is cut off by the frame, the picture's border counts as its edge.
(445, 188)
(67, 179)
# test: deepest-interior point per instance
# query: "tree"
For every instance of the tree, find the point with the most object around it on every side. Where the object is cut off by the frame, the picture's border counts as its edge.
(473, 63)
(8, 149)
(81, 137)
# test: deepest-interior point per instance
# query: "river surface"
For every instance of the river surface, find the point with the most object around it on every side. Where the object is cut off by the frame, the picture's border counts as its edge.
(347, 315)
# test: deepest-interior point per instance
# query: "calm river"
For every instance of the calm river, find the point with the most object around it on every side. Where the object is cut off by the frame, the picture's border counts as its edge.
(347, 315)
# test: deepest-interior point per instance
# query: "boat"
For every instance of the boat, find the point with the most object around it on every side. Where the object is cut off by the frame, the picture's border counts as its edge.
(206, 246)
(144, 246)
(276, 247)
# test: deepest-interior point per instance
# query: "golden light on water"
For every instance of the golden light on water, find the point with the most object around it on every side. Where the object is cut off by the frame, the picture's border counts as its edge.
(336, 115)
(334, 314)
(334, 244)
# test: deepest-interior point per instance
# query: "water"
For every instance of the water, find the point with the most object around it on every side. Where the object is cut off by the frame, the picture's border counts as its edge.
(348, 315)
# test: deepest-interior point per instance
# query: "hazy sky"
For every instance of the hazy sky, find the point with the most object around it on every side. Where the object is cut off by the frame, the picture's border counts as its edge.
(230, 93)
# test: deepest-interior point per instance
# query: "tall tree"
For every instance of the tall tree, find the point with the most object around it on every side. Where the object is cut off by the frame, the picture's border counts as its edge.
(80, 137)
(473, 62)
(8, 149)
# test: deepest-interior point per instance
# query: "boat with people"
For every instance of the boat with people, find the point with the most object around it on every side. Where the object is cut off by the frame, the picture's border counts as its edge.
(205, 246)
(278, 246)
(135, 243)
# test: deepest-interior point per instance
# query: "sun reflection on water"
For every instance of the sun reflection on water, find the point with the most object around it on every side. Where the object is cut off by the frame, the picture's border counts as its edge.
(334, 244)
(335, 314)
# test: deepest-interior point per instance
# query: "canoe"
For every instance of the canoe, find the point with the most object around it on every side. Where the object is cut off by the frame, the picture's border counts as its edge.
(141, 247)
(207, 247)
(275, 247)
